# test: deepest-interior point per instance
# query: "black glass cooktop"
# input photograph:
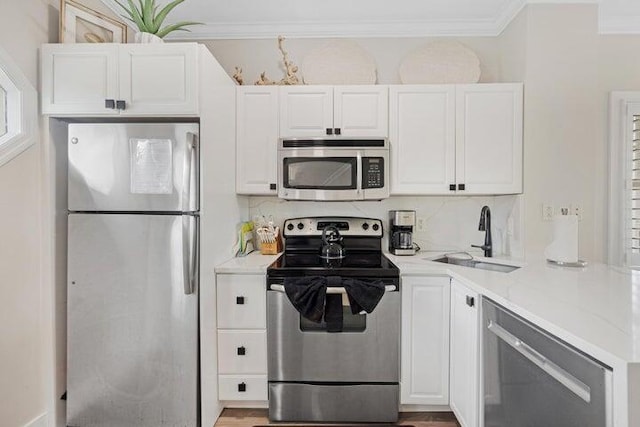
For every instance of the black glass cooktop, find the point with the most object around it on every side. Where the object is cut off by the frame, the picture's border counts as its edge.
(363, 264)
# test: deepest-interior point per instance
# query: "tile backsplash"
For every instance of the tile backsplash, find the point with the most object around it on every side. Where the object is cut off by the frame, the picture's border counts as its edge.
(451, 223)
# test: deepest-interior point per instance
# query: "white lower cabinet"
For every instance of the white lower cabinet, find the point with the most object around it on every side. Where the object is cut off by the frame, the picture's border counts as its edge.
(465, 354)
(242, 337)
(425, 340)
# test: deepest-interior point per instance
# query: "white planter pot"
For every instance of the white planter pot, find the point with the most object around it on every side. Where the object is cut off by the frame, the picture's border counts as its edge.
(147, 38)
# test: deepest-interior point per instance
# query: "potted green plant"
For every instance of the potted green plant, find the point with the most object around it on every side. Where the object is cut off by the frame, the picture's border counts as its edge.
(146, 16)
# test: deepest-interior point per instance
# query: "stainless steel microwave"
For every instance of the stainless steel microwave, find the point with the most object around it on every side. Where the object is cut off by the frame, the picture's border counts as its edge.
(333, 169)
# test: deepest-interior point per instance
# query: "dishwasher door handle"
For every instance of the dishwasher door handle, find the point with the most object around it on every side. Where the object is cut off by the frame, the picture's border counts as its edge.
(579, 388)
(332, 290)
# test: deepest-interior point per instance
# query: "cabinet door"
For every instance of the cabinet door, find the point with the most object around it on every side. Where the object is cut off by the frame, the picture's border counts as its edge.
(242, 301)
(159, 79)
(465, 354)
(78, 79)
(306, 111)
(489, 138)
(422, 136)
(257, 140)
(361, 110)
(425, 341)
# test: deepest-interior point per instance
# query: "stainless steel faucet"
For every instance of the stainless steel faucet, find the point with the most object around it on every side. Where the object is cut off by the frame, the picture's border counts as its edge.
(485, 225)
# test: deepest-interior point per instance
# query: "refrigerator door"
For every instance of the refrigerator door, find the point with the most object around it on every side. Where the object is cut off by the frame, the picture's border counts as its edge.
(133, 167)
(132, 321)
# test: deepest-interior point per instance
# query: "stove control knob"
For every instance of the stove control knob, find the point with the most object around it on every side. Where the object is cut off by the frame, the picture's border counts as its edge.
(376, 227)
(300, 226)
(290, 227)
(365, 226)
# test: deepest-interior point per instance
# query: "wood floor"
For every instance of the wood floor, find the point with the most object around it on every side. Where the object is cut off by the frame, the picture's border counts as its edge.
(258, 417)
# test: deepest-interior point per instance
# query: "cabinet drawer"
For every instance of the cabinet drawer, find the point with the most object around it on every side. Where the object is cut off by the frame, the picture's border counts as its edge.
(242, 352)
(242, 301)
(242, 387)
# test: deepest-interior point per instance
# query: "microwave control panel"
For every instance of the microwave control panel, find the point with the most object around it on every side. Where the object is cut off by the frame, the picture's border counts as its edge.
(373, 172)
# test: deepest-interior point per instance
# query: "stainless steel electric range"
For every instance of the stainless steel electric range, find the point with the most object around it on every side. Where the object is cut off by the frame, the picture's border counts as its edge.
(321, 376)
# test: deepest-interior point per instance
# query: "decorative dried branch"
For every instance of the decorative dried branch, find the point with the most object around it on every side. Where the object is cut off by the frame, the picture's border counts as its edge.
(237, 76)
(291, 69)
(264, 80)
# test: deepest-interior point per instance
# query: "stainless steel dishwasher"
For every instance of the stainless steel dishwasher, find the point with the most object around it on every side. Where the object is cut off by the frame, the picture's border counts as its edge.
(533, 379)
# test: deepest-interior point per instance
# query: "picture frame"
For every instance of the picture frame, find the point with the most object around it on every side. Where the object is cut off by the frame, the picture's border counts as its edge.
(80, 24)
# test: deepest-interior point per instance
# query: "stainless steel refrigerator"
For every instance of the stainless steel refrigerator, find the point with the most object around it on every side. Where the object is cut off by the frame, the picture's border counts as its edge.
(132, 309)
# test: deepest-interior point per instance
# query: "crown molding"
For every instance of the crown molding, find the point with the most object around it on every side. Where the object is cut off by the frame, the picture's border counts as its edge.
(619, 25)
(372, 28)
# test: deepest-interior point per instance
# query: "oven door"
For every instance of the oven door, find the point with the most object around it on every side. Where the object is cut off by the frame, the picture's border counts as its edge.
(367, 350)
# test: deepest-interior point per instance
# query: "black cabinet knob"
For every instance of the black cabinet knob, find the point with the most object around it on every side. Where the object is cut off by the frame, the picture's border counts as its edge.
(471, 301)
(242, 387)
(121, 105)
(273, 187)
(329, 131)
(337, 131)
(110, 104)
(239, 300)
(461, 187)
(452, 187)
(242, 351)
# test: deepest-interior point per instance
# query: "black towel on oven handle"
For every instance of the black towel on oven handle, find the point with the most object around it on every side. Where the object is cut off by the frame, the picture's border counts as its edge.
(333, 315)
(363, 294)
(307, 294)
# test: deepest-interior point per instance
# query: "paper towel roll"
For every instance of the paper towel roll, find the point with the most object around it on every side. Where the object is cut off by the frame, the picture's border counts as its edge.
(564, 246)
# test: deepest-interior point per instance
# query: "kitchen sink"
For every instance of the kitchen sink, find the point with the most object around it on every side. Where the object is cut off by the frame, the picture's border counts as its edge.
(473, 263)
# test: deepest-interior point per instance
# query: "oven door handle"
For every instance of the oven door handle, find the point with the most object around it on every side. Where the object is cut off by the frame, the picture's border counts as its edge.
(332, 290)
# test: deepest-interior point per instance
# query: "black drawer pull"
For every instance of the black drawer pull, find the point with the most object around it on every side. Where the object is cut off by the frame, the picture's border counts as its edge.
(110, 104)
(337, 131)
(471, 301)
(121, 105)
(273, 187)
(452, 187)
(242, 387)
(461, 187)
(329, 131)
(240, 300)
(242, 351)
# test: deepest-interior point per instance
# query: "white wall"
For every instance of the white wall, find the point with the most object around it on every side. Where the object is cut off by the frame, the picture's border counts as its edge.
(25, 368)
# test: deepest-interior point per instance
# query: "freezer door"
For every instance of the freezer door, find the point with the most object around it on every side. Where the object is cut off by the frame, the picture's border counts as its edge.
(132, 321)
(133, 167)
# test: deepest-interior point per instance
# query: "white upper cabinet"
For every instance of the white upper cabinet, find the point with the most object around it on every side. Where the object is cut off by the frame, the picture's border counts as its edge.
(159, 79)
(465, 355)
(456, 139)
(120, 79)
(489, 138)
(79, 78)
(257, 140)
(424, 369)
(422, 135)
(315, 111)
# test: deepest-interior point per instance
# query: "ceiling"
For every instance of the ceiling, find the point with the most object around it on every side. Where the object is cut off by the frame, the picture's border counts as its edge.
(238, 19)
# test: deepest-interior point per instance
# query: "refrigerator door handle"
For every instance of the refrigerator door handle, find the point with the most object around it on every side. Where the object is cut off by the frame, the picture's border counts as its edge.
(190, 174)
(190, 253)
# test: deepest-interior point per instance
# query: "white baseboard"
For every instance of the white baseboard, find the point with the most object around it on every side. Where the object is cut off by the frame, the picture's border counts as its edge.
(39, 421)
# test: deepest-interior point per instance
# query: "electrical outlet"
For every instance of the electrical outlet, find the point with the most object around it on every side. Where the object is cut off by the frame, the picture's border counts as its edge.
(576, 210)
(547, 212)
(564, 210)
(421, 224)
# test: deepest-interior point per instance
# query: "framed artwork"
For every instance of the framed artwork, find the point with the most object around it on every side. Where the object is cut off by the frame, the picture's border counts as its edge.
(79, 24)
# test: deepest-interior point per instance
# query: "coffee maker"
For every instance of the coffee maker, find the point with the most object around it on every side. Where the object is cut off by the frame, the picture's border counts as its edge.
(401, 224)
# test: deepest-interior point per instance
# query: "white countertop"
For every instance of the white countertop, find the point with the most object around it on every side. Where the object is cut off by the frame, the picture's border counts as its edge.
(254, 263)
(596, 308)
